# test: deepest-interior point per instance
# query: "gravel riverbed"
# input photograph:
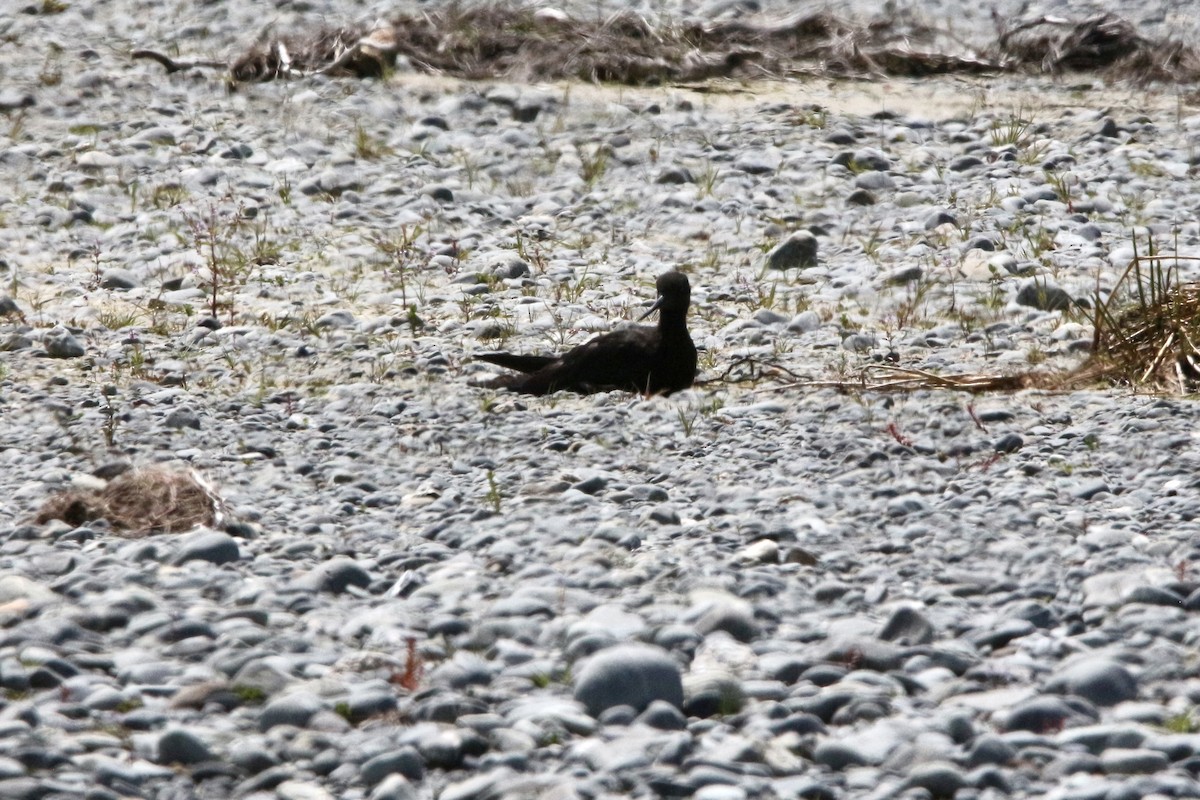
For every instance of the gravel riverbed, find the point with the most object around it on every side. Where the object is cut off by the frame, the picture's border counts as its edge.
(426, 589)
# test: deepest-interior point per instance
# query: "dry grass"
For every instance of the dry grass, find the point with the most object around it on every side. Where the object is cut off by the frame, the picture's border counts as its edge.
(520, 43)
(140, 503)
(1103, 42)
(1146, 333)
(1145, 337)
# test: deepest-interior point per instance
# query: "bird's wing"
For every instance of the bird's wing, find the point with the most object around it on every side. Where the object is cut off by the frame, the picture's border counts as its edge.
(619, 358)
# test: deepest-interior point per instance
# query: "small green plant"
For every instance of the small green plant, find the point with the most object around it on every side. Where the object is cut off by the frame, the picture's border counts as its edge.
(16, 125)
(1014, 130)
(1061, 183)
(265, 249)
(110, 415)
(687, 419)
(167, 195)
(115, 320)
(470, 168)
(812, 117)
(593, 164)
(51, 73)
(519, 186)
(493, 495)
(402, 252)
(707, 179)
(1183, 722)
(284, 190)
(911, 311)
(873, 242)
(213, 235)
(367, 146)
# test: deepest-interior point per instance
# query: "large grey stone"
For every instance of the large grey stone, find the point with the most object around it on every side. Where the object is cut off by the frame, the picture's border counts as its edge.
(629, 674)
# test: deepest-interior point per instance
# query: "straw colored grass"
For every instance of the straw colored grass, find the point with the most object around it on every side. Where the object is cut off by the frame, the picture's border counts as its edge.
(141, 502)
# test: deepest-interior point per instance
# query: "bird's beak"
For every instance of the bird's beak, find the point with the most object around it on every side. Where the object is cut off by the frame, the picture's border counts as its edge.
(653, 308)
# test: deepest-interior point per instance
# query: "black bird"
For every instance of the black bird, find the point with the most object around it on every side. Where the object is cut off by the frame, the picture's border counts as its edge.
(639, 358)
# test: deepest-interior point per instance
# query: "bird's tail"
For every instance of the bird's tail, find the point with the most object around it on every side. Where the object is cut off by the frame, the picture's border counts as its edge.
(520, 363)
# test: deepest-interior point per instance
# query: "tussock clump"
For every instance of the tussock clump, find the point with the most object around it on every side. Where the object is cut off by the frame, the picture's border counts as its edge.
(1147, 333)
(141, 502)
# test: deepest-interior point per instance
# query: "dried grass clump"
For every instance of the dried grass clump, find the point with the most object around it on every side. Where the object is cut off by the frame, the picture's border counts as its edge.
(353, 51)
(1146, 333)
(141, 502)
(518, 43)
(1102, 43)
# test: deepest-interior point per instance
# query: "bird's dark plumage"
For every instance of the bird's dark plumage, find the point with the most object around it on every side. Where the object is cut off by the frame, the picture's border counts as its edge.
(657, 359)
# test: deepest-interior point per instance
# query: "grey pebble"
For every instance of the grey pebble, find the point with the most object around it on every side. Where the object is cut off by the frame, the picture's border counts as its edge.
(214, 547)
(60, 343)
(838, 755)
(1121, 761)
(1043, 295)
(628, 674)
(182, 418)
(394, 787)
(117, 278)
(13, 100)
(798, 251)
(1008, 443)
(179, 746)
(664, 716)
(1099, 680)
(940, 779)
(296, 709)
(907, 625)
(336, 575)
(1039, 714)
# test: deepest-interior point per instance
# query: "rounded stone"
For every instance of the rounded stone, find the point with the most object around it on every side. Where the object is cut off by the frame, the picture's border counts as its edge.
(940, 779)
(211, 546)
(629, 674)
(178, 746)
(336, 576)
(664, 716)
(1122, 761)
(60, 343)
(294, 709)
(404, 761)
(1100, 681)
(394, 787)
(838, 755)
(795, 252)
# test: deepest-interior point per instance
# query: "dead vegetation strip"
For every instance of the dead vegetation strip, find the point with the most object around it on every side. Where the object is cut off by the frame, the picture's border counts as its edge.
(525, 44)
